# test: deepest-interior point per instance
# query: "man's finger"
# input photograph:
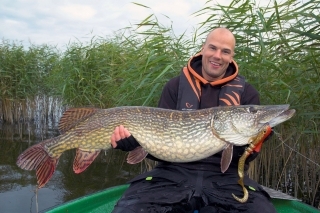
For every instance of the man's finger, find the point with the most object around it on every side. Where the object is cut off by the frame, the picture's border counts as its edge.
(116, 134)
(113, 141)
(121, 132)
(126, 133)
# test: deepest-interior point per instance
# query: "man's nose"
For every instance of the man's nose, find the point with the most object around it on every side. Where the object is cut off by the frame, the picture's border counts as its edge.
(217, 54)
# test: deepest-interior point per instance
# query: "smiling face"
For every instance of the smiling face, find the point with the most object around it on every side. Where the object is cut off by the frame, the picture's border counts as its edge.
(217, 52)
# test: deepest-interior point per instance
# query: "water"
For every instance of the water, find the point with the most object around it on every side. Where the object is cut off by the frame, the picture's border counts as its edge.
(18, 187)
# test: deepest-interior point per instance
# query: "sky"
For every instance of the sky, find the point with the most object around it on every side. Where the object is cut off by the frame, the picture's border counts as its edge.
(58, 22)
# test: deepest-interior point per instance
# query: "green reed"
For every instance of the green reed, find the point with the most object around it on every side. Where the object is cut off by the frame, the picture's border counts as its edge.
(128, 69)
(23, 75)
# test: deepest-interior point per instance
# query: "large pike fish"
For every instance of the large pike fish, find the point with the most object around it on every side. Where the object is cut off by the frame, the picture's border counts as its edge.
(170, 135)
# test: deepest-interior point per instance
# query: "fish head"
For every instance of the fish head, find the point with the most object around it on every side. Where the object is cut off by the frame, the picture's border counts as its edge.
(239, 124)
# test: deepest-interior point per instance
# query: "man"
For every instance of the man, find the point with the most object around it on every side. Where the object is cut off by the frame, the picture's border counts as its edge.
(210, 79)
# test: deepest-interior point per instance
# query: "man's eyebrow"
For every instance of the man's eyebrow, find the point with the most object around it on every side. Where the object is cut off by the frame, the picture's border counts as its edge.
(224, 49)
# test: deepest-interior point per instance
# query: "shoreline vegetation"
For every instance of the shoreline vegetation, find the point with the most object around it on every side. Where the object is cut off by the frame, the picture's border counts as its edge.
(278, 51)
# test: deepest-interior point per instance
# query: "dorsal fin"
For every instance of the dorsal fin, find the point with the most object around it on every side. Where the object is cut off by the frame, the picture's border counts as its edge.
(71, 117)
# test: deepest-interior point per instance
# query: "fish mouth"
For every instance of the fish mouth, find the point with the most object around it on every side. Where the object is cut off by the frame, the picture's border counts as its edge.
(275, 114)
(282, 117)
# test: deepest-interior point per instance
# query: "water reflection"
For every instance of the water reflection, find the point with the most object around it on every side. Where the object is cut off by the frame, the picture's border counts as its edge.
(23, 199)
(18, 187)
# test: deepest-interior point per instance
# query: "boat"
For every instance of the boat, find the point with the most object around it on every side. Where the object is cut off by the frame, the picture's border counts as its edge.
(104, 201)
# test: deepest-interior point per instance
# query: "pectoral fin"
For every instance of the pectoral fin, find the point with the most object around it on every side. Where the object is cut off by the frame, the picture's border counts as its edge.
(226, 157)
(136, 155)
(83, 159)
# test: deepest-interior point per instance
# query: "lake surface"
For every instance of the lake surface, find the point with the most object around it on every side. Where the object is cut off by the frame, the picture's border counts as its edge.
(18, 187)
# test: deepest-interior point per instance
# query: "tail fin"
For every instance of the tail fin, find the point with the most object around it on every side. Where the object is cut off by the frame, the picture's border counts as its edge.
(37, 158)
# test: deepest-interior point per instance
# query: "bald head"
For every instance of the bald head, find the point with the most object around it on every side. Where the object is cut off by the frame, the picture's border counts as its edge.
(217, 53)
(222, 33)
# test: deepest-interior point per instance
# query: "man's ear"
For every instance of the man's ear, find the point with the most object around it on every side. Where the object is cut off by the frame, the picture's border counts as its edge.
(232, 58)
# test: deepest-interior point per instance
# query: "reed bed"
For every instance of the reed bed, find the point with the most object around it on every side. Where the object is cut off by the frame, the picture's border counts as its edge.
(23, 77)
(277, 51)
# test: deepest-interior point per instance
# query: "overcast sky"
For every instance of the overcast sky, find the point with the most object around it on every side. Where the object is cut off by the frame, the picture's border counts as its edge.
(56, 22)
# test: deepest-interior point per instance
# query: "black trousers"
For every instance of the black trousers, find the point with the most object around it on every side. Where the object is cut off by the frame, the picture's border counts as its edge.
(175, 189)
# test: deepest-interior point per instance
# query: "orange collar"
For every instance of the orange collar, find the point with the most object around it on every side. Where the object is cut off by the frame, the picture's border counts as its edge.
(213, 83)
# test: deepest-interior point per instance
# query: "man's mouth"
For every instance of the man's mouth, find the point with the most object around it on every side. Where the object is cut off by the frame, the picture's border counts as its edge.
(215, 63)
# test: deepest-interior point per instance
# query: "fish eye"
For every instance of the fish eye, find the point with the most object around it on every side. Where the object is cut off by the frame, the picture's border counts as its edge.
(252, 110)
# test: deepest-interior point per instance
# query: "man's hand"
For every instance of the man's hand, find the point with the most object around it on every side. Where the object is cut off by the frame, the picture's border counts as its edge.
(122, 139)
(119, 133)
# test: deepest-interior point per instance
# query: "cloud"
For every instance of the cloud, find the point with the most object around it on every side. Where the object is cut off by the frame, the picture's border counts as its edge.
(78, 12)
(57, 22)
